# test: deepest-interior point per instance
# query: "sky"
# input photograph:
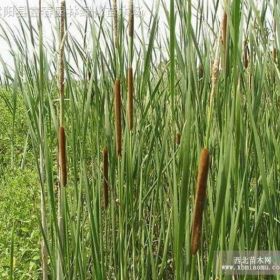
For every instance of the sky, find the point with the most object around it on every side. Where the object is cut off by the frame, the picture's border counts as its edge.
(9, 10)
(9, 13)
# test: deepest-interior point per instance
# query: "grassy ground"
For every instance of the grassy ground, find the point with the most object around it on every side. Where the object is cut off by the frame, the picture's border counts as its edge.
(19, 194)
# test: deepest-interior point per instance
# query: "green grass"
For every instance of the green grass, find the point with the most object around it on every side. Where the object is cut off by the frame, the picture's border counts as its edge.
(145, 231)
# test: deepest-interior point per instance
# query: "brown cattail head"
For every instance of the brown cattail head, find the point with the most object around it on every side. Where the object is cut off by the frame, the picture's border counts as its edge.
(178, 138)
(199, 200)
(62, 157)
(131, 19)
(115, 23)
(118, 125)
(246, 55)
(130, 98)
(105, 177)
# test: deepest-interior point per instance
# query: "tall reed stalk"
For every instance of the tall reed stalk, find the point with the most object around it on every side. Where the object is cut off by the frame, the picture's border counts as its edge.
(117, 84)
(61, 145)
(118, 121)
(44, 252)
(130, 68)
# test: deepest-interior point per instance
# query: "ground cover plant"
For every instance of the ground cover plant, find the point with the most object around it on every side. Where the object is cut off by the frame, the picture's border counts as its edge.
(132, 149)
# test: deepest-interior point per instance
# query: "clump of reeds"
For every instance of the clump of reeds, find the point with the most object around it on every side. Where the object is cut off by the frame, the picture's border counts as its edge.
(105, 177)
(199, 200)
(118, 124)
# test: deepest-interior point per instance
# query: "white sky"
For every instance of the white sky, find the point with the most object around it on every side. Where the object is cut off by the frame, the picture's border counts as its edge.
(8, 13)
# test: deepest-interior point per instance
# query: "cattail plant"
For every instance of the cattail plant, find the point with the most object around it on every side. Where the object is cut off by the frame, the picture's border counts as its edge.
(44, 252)
(117, 85)
(130, 69)
(61, 142)
(105, 177)
(199, 200)
(61, 87)
(118, 124)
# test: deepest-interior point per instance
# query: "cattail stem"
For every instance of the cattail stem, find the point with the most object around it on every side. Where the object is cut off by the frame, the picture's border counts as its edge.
(130, 31)
(118, 125)
(61, 146)
(199, 200)
(130, 98)
(130, 69)
(105, 177)
(131, 19)
(62, 157)
(61, 62)
(115, 24)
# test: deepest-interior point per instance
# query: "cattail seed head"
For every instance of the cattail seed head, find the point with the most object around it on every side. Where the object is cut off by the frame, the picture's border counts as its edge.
(105, 177)
(62, 157)
(130, 98)
(199, 200)
(118, 125)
